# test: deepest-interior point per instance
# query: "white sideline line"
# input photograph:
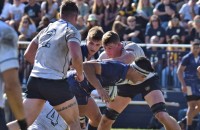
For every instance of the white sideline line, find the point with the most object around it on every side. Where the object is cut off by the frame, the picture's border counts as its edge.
(102, 104)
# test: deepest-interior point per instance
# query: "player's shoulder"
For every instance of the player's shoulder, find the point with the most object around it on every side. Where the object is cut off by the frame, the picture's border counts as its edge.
(103, 55)
(128, 45)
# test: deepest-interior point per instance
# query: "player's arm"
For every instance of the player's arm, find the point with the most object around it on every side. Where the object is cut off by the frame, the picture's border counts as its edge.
(77, 61)
(31, 50)
(126, 57)
(91, 69)
(198, 69)
(180, 72)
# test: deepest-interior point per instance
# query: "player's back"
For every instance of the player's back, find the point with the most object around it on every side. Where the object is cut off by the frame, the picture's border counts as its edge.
(128, 47)
(52, 58)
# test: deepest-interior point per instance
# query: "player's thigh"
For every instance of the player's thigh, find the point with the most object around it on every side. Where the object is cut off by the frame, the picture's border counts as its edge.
(119, 103)
(68, 110)
(154, 97)
(32, 108)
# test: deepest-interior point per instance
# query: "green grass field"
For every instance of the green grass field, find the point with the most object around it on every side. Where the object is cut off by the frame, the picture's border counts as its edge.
(130, 129)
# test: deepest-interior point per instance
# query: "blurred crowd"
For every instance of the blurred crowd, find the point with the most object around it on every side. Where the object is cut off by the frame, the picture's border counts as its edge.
(140, 21)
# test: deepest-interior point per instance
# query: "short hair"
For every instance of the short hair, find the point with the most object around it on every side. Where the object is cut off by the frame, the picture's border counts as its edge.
(95, 33)
(68, 8)
(110, 37)
(195, 42)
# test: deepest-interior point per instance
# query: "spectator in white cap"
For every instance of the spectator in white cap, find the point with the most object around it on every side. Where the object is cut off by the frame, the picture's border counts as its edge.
(91, 22)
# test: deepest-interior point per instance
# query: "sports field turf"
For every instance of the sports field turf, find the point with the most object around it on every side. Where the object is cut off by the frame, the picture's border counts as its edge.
(130, 129)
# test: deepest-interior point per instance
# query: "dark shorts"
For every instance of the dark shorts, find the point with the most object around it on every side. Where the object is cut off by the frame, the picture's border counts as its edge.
(81, 90)
(143, 88)
(54, 91)
(192, 98)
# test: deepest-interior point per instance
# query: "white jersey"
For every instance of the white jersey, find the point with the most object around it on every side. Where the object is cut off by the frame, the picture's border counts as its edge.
(129, 48)
(8, 52)
(48, 119)
(52, 58)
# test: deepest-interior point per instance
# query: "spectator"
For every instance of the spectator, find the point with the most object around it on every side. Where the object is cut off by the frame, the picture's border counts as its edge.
(132, 32)
(155, 30)
(174, 28)
(83, 8)
(195, 32)
(80, 24)
(188, 11)
(165, 9)
(16, 12)
(98, 8)
(91, 22)
(111, 12)
(49, 9)
(27, 29)
(145, 9)
(189, 79)
(126, 9)
(43, 23)
(119, 28)
(32, 9)
(175, 39)
(190, 26)
(5, 11)
(154, 40)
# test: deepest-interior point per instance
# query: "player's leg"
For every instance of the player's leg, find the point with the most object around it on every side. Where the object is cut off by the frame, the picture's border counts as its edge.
(70, 113)
(93, 113)
(193, 110)
(114, 108)
(14, 93)
(156, 102)
(32, 109)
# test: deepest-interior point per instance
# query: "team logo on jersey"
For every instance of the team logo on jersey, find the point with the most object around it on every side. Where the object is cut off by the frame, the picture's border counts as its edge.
(46, 38)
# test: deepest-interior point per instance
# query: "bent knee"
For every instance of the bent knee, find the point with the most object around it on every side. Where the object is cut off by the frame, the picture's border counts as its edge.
(106, 121)
(162, 116)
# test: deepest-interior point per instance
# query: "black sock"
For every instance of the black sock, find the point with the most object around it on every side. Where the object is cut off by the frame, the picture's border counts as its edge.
(22, 124)
(189, 127)
(91, 127)
(2, 120)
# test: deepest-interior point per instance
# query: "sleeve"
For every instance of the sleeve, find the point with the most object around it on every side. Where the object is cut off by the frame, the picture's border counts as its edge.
(102, 56)
(185, 61)
(9, 59)
(135, 50)
(73, 35)
(182, 9)
(147, 32)
(163, 33)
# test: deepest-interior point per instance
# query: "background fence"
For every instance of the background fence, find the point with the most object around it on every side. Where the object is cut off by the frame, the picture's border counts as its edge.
(165, 62)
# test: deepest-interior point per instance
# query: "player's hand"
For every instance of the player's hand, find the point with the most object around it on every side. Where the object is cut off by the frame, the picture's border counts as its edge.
(80, 77)
(103, 94)
(184, 89)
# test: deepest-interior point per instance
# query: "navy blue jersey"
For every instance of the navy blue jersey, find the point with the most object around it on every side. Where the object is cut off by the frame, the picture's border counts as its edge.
(112, 72)
(190, 74)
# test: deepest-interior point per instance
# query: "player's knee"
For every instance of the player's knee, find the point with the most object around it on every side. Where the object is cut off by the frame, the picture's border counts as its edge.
(158, 107)
(162, 116)
(111, 114)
